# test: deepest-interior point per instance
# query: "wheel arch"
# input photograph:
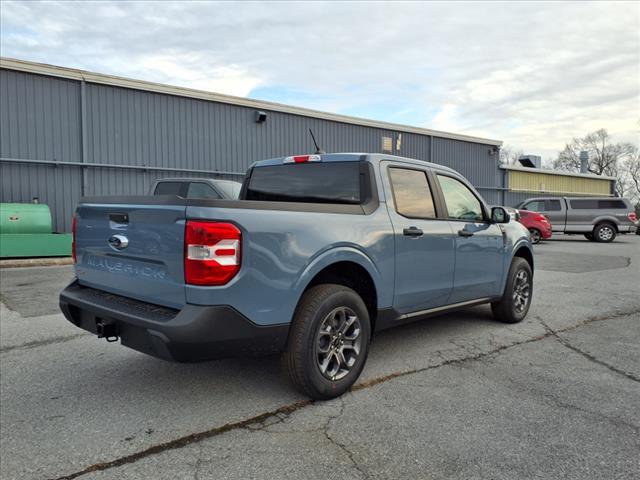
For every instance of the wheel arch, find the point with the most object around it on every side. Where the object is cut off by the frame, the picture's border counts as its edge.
(608, 220)
(348, 267)
(525, 252)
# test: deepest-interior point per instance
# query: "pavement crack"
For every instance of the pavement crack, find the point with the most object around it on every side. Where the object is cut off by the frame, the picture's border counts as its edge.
(569, 406)
(593, 359)
(185, 440)
(293, 407)
(341, 446)
(41, 343)
(563, 341)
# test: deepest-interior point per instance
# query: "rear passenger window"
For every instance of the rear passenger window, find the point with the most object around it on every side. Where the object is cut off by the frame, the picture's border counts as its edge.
(201, 190)
(553, 205)
(168, 188)
(411, 193)
(586, 204)
(462, 204)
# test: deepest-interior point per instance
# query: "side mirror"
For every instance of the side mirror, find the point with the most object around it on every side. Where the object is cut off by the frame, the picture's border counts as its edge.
(499, 215)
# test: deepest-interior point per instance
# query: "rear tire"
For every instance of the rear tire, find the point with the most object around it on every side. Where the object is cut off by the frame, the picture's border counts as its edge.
(589, 236)
(604, 233)
(328, 342)
(518, 292)
(535, 235)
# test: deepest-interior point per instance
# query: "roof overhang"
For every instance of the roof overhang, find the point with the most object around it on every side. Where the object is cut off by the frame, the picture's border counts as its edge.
(99, 78)
(557, 172)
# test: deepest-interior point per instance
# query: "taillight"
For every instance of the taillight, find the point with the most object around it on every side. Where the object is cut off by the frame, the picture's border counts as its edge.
(211, 252)
(73, 239)
(633, 217)
(302, 159)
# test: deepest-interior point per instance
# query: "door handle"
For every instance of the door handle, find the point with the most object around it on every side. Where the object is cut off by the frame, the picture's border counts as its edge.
(465, 233)
(412, 232)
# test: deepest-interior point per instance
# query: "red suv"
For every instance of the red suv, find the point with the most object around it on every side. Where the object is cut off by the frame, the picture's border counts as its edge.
(537, 224)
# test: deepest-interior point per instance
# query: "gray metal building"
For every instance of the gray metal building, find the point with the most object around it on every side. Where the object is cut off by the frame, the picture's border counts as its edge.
(65, 133)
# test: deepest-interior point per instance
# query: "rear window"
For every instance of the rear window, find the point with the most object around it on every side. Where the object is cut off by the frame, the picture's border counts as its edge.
(595, 204)
(330, 182)
(168, 188)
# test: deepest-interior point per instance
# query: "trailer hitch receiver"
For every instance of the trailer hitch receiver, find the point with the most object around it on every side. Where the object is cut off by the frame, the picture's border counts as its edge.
(107, 330)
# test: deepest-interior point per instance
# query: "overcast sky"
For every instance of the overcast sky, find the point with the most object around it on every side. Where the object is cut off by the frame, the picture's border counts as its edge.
(531, 74)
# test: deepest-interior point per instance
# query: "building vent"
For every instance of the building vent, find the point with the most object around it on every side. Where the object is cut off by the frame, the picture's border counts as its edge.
(530, 161)
(387, 144)
(584, 162)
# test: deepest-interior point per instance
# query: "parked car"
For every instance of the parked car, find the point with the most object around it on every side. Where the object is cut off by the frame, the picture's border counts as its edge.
(514, 213)
(598, 219)
(197, 188)
(537, 224)
(319, 252)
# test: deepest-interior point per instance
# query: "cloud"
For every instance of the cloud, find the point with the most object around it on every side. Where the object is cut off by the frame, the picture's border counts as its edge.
(532, 74)
(230, 79)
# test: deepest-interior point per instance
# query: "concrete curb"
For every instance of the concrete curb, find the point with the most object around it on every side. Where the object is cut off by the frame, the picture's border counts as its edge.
(35, 262)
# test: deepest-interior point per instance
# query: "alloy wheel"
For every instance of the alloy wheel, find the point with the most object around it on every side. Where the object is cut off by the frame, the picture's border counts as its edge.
(535, 236)
(521, 291)
(605, 233)
(338, 343)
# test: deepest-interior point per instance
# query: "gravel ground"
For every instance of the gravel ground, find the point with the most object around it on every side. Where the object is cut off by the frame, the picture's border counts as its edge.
(456, 396)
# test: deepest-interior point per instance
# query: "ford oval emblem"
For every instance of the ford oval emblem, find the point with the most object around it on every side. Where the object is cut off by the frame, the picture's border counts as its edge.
(118, 242)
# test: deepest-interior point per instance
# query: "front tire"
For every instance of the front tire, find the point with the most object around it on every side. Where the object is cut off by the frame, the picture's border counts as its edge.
(589, 236)
(604, 233)
(516, 300)
(535, 235)
(328, 342)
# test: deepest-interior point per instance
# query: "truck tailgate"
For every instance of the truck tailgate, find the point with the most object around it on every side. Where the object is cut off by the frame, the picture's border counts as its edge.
(132, 250)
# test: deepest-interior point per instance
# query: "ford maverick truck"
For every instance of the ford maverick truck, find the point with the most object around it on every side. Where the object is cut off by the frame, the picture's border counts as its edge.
(317, 254)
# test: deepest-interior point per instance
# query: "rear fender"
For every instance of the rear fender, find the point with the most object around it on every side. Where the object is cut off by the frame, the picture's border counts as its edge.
(345, 254)
(610, 219)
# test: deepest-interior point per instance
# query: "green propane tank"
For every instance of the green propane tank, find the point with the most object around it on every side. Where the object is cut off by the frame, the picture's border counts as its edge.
(26, 231)
(25, 218)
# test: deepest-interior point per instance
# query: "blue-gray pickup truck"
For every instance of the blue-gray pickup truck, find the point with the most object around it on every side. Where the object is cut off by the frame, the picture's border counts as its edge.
(318, 253)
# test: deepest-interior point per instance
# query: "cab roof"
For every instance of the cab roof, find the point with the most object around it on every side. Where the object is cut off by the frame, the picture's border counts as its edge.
(353, 157)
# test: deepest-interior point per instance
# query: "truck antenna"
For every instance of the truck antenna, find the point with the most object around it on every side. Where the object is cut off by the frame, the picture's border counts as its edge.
(319, 151)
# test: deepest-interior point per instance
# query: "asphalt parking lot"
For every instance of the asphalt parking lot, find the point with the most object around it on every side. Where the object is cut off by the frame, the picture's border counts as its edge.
(456, 396)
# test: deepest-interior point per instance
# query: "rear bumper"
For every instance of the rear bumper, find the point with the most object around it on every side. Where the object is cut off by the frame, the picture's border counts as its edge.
(195, 333)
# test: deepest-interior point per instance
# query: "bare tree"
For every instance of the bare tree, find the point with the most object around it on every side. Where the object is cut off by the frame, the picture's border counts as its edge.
(509, 155)
(604, 156)
(631, 171)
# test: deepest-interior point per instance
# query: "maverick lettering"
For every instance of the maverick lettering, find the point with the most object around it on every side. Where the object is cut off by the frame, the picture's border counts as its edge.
(118, 266)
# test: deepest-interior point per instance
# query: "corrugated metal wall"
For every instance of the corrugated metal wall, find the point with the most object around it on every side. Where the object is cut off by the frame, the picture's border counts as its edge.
(476, 162)
(40, 119)
(537, 183)
(43, 118)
